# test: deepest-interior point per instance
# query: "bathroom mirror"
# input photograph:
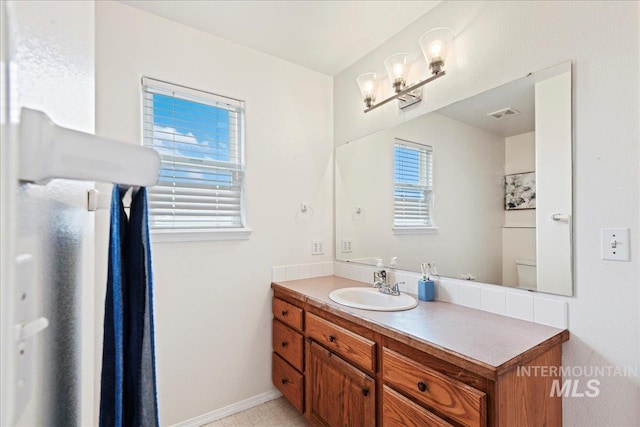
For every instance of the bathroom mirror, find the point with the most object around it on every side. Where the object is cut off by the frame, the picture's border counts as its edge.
(482, 188)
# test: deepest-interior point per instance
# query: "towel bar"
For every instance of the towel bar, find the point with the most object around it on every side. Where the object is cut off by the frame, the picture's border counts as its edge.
(48, 151)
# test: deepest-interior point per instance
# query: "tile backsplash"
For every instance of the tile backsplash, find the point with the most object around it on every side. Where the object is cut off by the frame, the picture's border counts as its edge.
(301, 271)
(493, 300)
(503, 300)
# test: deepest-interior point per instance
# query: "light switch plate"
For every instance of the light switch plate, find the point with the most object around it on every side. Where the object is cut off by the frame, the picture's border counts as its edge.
(615, 244)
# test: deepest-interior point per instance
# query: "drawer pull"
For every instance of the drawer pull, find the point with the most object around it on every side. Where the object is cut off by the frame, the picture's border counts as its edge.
(284, 344)
(422, 386)
(332, 338)
(284, 381)
(365, 392)
(284, 313)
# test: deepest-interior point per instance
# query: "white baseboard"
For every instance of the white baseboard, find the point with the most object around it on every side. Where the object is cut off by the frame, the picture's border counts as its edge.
(229, 410)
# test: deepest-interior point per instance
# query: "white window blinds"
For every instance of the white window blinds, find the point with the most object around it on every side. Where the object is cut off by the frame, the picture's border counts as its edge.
(412, 185)
(200, 139)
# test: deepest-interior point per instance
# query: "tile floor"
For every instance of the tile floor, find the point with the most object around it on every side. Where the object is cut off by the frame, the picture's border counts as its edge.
(275, 413)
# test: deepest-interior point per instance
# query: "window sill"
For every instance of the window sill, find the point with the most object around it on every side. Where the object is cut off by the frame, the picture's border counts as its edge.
(163, 236)
(408, 231)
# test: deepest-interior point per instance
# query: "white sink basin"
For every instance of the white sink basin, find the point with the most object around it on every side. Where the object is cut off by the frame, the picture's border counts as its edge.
(372, 299)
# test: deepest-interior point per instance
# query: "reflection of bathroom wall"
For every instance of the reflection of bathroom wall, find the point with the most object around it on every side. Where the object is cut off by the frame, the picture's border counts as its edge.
(468, 165)
(519, 232)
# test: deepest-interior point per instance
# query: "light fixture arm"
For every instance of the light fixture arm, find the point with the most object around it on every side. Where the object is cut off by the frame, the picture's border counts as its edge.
(407, 90)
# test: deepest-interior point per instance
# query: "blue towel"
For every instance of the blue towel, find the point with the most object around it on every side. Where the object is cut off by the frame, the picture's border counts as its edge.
(128, 389)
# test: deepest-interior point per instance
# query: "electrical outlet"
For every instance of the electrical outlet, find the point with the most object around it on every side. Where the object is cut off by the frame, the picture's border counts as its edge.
(615, 244)
(346, 246)
(317, 247)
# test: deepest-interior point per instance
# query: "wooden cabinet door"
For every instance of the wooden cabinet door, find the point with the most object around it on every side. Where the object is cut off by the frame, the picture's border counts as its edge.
(338, 394)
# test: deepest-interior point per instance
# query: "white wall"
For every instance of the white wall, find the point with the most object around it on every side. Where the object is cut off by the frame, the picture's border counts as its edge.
(519, 233)
(520, 157)
(213, 305)
(467, 184)
(498, 42)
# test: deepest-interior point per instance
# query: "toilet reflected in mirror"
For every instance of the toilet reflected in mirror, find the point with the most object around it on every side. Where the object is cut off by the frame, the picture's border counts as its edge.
(526, 274)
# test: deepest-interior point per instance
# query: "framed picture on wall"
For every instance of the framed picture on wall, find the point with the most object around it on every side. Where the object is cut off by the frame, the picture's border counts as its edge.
(520, 191)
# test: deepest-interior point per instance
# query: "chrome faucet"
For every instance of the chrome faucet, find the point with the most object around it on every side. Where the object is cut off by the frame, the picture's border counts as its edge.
(392, 290)
(380, 282)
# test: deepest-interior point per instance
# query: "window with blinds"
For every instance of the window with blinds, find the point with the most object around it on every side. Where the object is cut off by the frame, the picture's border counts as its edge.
(412, 185)
(200, 139)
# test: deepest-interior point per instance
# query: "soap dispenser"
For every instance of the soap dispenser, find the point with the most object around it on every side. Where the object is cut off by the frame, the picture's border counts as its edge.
(393, 264)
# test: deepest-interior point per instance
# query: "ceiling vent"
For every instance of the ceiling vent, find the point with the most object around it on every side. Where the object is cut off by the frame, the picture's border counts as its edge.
(504, 113)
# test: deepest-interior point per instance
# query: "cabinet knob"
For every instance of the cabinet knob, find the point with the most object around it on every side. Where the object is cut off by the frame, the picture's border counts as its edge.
(284, 312)
(283, 344)
(284, 381)
(332, 338)
(422, 386)
(365, 392)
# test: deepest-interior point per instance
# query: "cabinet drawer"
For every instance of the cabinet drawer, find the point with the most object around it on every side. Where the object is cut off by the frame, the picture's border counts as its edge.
(447, 396)
(398, 411)
(289, 344)
(287, 313)
(353, 347)
(289, 381)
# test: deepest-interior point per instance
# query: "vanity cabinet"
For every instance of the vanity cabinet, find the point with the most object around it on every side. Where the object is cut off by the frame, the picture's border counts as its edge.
(343, 367)
(288, 351)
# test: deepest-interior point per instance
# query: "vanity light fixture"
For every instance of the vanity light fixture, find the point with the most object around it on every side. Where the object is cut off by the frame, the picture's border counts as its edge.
(435, 46)
(367, 84)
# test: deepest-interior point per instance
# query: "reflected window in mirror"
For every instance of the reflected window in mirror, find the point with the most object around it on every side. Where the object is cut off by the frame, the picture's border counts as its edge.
(412, 185)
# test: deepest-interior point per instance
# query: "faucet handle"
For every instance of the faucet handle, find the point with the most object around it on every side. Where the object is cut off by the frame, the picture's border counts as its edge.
(396, 287)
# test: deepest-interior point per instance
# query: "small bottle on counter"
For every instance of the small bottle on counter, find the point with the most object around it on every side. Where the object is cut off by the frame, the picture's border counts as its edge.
(391, 273)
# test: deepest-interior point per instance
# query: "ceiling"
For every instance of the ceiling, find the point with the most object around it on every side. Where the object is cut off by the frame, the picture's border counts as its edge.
(474, 111)
(518, 94)
(326, 36)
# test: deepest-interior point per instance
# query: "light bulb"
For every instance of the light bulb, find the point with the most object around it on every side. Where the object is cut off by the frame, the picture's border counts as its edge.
(435, 48)
(397, 71)
(368, 87)
(397, 68)
(435, 45)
